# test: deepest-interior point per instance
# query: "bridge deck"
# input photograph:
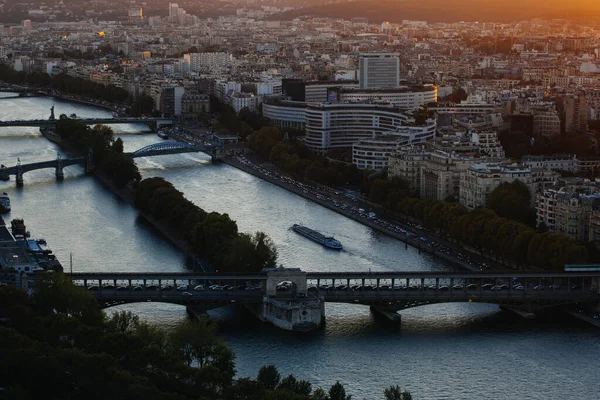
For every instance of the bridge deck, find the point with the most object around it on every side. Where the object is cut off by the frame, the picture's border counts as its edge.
(338, 276)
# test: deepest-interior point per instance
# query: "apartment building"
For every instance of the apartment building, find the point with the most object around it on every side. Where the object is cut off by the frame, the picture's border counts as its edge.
(479, 180)
(434, 174)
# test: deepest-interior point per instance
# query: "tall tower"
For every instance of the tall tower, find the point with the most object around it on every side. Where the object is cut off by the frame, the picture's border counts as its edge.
(173, 12)
(379, 70)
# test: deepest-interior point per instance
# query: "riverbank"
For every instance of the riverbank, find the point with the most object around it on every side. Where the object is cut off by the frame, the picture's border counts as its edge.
(127, 195)
(414, 242)
(83, 101)
(74, 99)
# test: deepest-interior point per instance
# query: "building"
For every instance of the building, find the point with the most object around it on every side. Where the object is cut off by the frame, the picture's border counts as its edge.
(315, 91)
(488, 143)
(575, 113)
(481, 179)
(374, 153)
(206, 62)
(571, 211)
(434, 174)
(194, 104)
(561, 162)
(409, 97)
(330, 126)
(171, 100)
(173, 12)
(546, 121)
(239, 101)
(285, 113)
(379, 70)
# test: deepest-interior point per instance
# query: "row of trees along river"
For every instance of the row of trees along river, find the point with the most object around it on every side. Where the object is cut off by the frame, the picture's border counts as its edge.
(61, 338)
(212, 236)
(505, 230)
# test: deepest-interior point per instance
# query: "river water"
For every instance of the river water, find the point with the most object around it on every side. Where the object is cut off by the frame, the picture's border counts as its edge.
(449, 351)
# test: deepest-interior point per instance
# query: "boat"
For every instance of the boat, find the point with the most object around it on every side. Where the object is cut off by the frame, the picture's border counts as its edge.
(163, 135)
(315, 236)
(50, 134)
(18, 228)
(3, 177)
(73, 116)
(4, 203)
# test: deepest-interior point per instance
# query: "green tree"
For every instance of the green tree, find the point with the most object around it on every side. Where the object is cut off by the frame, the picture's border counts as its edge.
(57, 293)
(337, 392)
(395, 393)
(513, 201)
(269, 376)
(319, 394)
(246, 389)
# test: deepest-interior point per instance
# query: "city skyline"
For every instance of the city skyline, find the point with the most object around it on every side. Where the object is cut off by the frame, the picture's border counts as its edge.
(293, 199)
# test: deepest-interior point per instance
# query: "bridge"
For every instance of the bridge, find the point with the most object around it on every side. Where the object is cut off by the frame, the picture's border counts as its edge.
(385, 292)
(157, 149)
(153, 123)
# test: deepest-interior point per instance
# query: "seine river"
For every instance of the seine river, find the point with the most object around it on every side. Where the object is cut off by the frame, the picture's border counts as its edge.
(450, 351)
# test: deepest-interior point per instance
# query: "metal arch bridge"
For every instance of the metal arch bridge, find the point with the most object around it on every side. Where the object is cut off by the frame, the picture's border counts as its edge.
(172, 147)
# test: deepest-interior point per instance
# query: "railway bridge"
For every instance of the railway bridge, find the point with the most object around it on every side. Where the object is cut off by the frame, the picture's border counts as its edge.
(274, 290)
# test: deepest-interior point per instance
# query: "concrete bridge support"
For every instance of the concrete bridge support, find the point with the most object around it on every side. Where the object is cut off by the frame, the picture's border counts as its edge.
(60, 175)
(390, 314)
(89, 162)
(19, 175)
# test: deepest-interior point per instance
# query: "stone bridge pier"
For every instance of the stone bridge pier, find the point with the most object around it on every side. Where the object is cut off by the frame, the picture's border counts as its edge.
(19, 175)
(59, 172)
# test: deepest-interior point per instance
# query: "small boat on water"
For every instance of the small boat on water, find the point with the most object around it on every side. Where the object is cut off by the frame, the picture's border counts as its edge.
(163, 135)
(315, 236)
(4, 203)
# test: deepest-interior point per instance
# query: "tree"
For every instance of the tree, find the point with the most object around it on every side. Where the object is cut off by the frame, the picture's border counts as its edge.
(319, 394)
(246, 389)
(337, 392)
(269, 376)
(264, 140)
(395, 393)
(513, 201)
(57, 293)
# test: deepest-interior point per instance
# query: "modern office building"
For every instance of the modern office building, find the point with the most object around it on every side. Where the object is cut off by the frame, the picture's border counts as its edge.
(330, 126)
(379, 70)
(285, 113)
(409, 97)
(374, 153)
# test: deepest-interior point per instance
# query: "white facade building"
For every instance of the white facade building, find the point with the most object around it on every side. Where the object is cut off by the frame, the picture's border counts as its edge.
(405, 97)
(374, 153)
(199, 62)
(285, 113)
(481, 179)
(239, 101)
(330, 126)
(379, 70)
